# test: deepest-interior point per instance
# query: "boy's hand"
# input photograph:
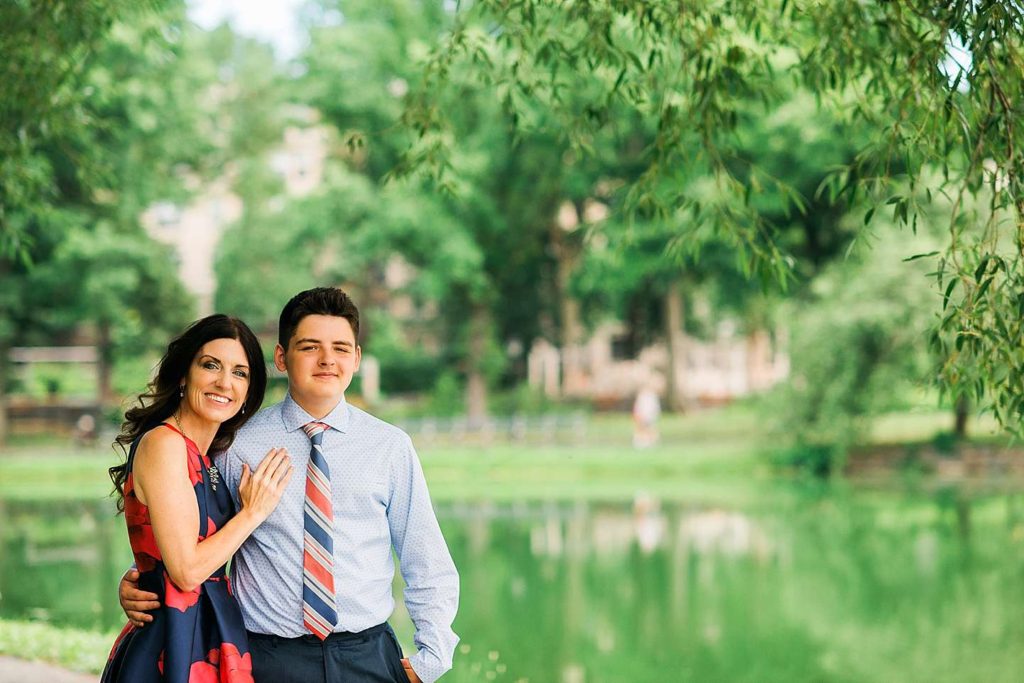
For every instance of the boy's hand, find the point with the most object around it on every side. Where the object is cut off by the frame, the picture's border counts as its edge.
(135, 602)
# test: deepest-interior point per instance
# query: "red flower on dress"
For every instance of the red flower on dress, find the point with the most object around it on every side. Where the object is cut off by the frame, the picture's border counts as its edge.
(195, 467)
(211, 528)
(234, 666)
(143, 545)
(177, 598)
(224, 665)
(203, 672)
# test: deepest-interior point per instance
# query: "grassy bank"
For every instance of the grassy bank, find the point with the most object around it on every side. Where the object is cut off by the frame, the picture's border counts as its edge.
(74, 649)
(713, 449)
(718, 454)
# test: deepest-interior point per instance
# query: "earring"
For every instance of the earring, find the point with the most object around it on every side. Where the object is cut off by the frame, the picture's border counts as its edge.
(243, 409)
(181, 391)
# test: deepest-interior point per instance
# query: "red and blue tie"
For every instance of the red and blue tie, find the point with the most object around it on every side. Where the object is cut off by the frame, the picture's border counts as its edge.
(318, 613)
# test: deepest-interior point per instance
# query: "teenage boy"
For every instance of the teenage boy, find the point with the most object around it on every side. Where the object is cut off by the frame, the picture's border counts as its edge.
(314, 581)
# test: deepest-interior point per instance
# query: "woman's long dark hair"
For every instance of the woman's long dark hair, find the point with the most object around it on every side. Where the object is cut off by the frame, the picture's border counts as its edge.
(162, 397)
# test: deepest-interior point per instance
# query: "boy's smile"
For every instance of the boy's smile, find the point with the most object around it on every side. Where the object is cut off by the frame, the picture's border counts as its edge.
(321, 359)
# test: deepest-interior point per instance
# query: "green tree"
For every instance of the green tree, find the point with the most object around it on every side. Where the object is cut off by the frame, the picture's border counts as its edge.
(268, 256)
(468, 251)
(857, 347)
(938, 87)
(47, 116)
(649, 272)
(123, 286)
(82, 257)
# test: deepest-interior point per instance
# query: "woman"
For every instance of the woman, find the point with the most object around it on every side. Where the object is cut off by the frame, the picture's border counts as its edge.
(181, 521)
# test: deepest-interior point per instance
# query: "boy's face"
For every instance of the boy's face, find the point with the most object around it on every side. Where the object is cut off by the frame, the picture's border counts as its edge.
(321, 359)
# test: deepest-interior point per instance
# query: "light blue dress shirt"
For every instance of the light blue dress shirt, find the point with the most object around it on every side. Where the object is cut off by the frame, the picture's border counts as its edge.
(380, 501)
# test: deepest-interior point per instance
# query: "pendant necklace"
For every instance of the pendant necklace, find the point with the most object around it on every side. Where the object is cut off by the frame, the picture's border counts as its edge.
(212, 469)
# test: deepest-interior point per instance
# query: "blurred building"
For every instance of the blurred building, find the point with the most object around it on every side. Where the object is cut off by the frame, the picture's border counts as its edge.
(194, 229)
(711, 371)
(301, 158)
(394, 296)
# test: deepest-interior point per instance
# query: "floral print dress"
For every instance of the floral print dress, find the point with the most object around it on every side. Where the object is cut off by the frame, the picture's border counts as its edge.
(195, 636)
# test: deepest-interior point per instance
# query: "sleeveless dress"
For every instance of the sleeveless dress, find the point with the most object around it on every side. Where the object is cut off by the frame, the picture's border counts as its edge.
(195, 636)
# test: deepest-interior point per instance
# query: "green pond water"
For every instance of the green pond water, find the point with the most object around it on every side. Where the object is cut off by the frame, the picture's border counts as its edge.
(802, 586)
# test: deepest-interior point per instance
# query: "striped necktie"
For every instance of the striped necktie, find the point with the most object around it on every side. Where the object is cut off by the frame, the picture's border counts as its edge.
(318, 613)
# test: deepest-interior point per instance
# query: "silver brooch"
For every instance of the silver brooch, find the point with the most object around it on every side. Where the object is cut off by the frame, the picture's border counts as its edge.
(214, 476)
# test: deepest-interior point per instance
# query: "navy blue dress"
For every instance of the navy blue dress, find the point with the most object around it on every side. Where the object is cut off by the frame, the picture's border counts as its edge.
(195, 636)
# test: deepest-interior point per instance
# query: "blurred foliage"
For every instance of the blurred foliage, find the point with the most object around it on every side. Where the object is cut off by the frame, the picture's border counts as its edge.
(159, 113)
(936, 87)
(116, 131)
(46, 49)
(446, 396)
(500, 172)
(858, 347)
(96, 108)
(629, 260)
(42, 380)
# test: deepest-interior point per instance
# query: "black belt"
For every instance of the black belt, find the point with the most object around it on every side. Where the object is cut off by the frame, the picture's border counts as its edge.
(310, 639)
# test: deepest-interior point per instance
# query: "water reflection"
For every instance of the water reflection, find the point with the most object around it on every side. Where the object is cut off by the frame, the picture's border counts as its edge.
(857, 587)
(56, 560)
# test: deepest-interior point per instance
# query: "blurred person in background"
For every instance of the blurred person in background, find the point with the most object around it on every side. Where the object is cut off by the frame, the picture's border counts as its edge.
(182, 522)
(646, 410)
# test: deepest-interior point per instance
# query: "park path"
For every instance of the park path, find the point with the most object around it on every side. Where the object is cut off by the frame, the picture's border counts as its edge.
(19, 671)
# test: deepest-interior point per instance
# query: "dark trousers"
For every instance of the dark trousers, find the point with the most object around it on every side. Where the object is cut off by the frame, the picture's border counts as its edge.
(370, 656)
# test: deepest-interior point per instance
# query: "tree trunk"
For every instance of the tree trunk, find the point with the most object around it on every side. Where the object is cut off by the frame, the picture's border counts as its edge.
(4, 365)
(573, 376)
(675, 399)
(962, 408)
(476, 381)
(759, 360)
(566, 249)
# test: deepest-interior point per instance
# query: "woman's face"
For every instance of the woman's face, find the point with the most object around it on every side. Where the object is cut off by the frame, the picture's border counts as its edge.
(217, 382)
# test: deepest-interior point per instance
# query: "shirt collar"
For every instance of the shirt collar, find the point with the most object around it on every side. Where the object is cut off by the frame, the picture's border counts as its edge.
(295, 417)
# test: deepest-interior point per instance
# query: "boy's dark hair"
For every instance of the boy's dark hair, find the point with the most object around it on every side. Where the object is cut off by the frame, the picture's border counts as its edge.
(317, 301)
